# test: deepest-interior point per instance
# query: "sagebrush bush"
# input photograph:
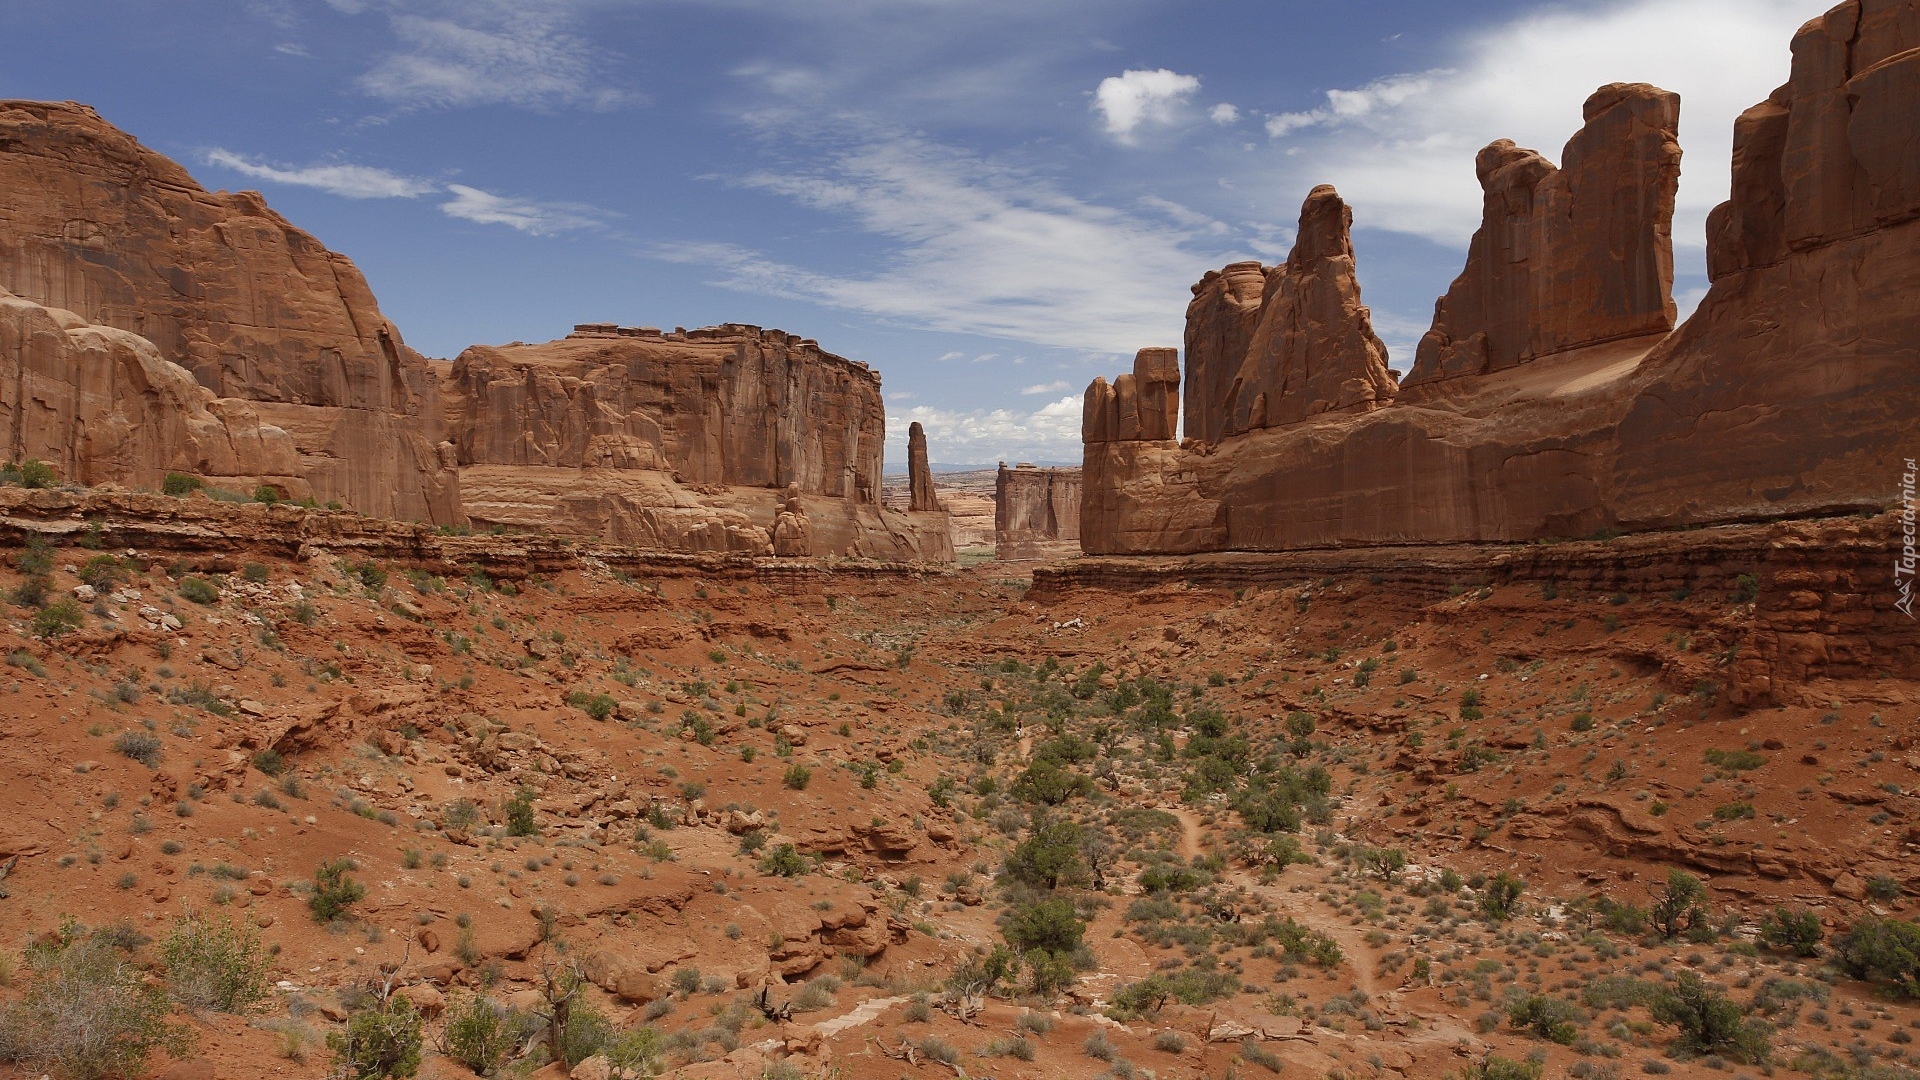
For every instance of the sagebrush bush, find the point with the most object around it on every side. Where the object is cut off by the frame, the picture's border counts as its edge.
(334, 891)
(380, 1042)
(199, 590)
(211, 964)
(141, 746)
(89, 1012)
(477, 1033)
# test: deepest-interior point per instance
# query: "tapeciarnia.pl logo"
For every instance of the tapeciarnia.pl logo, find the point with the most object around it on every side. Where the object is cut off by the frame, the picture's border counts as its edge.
(1904, 566)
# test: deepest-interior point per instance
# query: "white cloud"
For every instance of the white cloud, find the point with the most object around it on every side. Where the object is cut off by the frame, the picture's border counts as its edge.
(537, 218)
(347, 181)
(1224, 113)
(1049, 433)
(1401, 149)
(977, 248)
(459, 53)
(951, 356)
(1133, 98)
(1048, 388)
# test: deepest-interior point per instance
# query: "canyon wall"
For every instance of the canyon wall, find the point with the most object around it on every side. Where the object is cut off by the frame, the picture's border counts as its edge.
(686, 440)
(96, 224)
(1547, 400)
(148, 325)
(1036, 512)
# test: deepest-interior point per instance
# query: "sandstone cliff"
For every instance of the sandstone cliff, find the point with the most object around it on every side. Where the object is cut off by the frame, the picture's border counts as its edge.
(1571, 256)
(1548, 404)
(256, 309)
(101, 405)
(1220, 324)
(686, 440)
(1036, 512)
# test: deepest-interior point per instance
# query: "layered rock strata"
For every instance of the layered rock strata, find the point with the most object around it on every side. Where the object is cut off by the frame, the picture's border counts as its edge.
(1036, 512)
(256, 309)
(1548, 403)
(686, 440)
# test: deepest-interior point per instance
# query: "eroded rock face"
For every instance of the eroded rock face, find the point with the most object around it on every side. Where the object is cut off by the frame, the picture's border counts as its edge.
(1036, 511)
(256, 309)
(921, 495)
(1566, 257)
(1313, 349)
(1220, 324)
(1791, 391)
(1142, 405)
(680, 440)
(101, 405)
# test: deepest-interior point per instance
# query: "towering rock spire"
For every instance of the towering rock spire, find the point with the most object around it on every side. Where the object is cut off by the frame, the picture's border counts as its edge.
(1571, 256)
(919, 473)
(1313, 349)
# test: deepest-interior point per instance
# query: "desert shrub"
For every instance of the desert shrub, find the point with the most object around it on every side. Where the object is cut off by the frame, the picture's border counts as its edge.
(1882, 951)
(199, 590)
(89, 1012)
(63, 616)
(1500, 897)
(102, 572)
(588, 1031)
(519, 813)
(1048, 973)
(1047, 859)
(1709, 1023)
(1796, 930)
(255, 573)
(477, 1033)
(31, 473)
(1047, 924)
(180, 485)
(1048, 783)
(141, 746)
(270, 762)
(635, 1050)
(380, 1042)
(1495, 1067)
(1551, 1018)
(785, 860)
(218, 965)
(334, 891)
(797, 777)
(459, 815)
(1733, 760)
(1676, 904)
(596, 706)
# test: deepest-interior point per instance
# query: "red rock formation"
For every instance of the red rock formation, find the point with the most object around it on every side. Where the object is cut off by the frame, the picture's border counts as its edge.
(1143, 405)
(644, 437)
(1792, 391)
(97, 224)
(1036, 512)
(919, 472)
(1567, 257)
(1313, 349)
(102, 406)
(1220, 324)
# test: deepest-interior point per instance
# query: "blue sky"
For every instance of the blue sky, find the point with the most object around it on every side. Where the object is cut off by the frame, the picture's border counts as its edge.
(991, 201)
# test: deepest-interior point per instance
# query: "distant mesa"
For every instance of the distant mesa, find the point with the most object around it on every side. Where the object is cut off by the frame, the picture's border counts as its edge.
(1036, 512)
(149, 326)
(1553, 396)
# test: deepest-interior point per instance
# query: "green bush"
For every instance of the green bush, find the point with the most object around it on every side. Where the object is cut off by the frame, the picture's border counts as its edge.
(798, 777)
(141, 746)
(477, 1033)
(334, 891)
(1500, 897)
(36, 559)
(1048, 783)
(634, 1051)
(1796, 930)
(103, 572)
(199, 590)
(1551, 1018)
(785, 860)
(267, 494)
(1495, 1067)
(380, 1042)
(1047, 924)
(597, 706)
(32, 473)
(269, 761)
(1709, 1023)
(519, 810)
(89, 1012)
(1047, 859)
(180, 485)
(255, 573)
(588, 1031)
(1048, 973)
(1676, 904)
(63, 616)
(1882, 951)
(214, 965)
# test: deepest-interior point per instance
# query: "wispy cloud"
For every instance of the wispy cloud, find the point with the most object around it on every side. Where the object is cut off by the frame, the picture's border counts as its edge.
(537, 218)
(1224, 113)
(1133, 99)
(977, 248)
(346, 181)
(1049, 433)
(1401, 148)
(460, 53)
(1047, 388)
